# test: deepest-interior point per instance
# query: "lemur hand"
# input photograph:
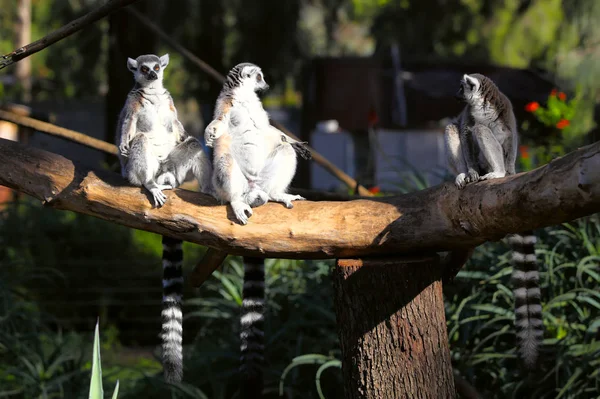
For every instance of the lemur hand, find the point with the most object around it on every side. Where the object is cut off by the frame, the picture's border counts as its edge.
(124, 149)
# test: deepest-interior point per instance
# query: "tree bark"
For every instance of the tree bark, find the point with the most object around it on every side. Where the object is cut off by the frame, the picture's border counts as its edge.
(392, 328)
(440, 218)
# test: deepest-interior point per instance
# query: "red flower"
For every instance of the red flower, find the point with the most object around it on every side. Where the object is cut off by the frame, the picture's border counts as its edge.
(524, 150)
(532, 106)
(563, 123)
(374, 190)
(562, 96)
(553, 93)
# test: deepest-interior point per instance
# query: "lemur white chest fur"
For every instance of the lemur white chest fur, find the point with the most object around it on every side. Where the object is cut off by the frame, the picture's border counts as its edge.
(247, 112)
(156, 121)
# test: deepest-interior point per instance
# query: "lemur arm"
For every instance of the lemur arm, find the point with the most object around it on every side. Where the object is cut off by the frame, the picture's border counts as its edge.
(128, 127)
(177, 125)
(219, 124)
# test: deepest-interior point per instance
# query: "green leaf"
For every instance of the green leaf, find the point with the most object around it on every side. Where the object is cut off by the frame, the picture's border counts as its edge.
(300, 360)
(331, 363)
(116, 392)
(96, 391)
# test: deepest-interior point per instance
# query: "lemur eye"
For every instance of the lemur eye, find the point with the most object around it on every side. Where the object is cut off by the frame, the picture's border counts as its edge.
(144, 69)
(156, 67)
(258, 77)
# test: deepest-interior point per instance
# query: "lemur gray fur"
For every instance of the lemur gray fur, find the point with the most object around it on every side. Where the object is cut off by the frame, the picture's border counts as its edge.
(482, 144)
(253, 163)
(156, 152)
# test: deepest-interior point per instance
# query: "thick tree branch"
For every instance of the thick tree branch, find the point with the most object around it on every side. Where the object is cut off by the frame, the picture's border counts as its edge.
(436, 219)
(65, 31)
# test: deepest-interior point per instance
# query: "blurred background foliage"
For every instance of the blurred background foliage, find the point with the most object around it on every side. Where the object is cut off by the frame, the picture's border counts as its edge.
(44, 246)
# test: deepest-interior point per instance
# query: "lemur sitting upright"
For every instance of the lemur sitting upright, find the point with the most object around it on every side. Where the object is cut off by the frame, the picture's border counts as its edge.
(482, 144)
(156, 152)
(253, 163)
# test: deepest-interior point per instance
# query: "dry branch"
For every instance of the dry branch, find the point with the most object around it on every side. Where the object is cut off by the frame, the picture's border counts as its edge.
(65, 31)
(58, 131)
(318, 158)
(437, 219)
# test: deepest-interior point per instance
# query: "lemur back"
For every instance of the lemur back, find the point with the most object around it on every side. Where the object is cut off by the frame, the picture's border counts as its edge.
(482, 144)
(156, 153)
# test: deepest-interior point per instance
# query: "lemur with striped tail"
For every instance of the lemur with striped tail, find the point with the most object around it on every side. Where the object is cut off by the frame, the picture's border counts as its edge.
(482, 144)
(253, 163)
(156, 153)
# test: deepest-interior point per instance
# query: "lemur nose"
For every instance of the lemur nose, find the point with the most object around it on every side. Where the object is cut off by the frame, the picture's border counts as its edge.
(152, 75)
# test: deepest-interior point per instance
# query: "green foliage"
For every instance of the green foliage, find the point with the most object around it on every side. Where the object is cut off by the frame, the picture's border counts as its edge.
(480, 317)
(96, 389)
(510, 23)
(558, 111)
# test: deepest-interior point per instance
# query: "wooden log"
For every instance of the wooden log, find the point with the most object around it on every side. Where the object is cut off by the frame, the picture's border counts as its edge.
(392, 328)
(440, 218)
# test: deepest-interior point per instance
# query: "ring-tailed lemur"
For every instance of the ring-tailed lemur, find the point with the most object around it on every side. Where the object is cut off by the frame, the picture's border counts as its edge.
(253, 163)
(156, 152)
(482, 144)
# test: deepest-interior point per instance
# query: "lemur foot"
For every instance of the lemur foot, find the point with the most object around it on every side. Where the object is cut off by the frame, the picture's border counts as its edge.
(472, 176)
(492, 175)
(242, 211)
(256, 198)
(159, 197)
(167, 179)
(460, 181)
(286, 199)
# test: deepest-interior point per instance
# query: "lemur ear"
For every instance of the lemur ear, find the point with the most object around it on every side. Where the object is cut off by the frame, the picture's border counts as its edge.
(164, 60)
(473, 82)
(132, 64)
(248, 70)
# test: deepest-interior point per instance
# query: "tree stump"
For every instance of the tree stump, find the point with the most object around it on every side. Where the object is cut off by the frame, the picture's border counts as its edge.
(392, 328)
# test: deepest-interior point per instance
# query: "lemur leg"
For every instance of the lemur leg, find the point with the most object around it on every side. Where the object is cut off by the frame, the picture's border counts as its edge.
(490, 152)
(455, 155)
(142, 167)
(467, 144)
(278, 173)
(231, 185)
(188, 157)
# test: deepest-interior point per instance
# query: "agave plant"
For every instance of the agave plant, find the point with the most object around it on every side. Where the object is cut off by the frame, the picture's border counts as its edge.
(96, 390)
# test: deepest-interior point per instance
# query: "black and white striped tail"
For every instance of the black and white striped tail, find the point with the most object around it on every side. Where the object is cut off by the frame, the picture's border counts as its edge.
(172, 317)
(252, 334)
(526, 289)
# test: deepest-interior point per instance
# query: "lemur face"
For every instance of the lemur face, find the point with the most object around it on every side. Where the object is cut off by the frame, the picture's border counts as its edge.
(252, 77)
(148, 68)
(469, 88)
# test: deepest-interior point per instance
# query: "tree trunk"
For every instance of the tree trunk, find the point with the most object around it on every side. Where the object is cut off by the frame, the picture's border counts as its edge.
(392, 328)
(23, 38)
